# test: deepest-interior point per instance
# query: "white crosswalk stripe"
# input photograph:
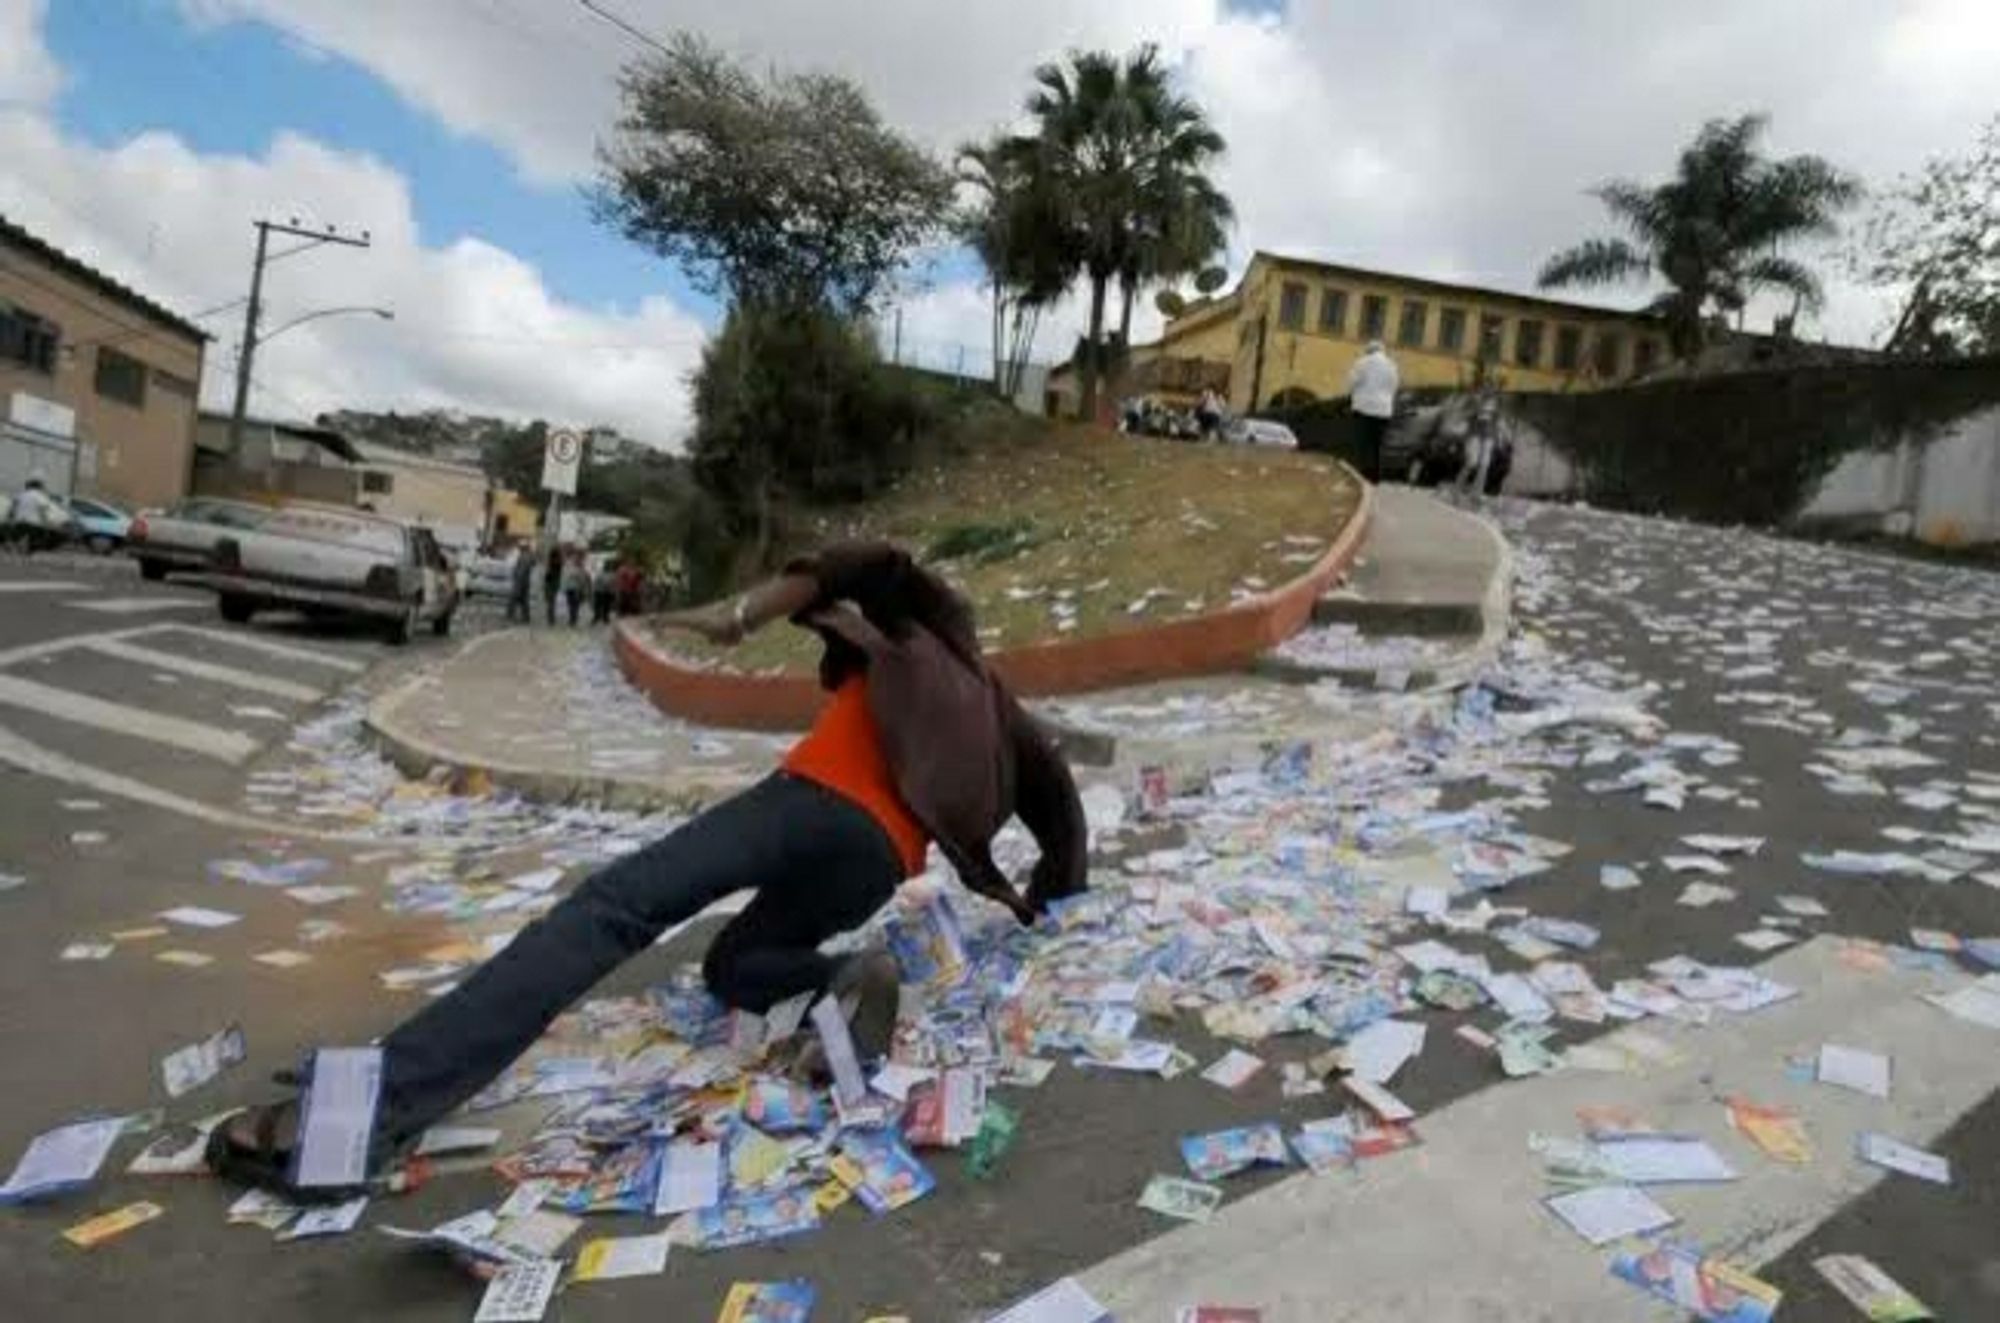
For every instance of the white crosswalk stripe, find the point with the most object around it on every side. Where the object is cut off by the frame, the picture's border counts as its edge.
(267, 647)
(131, 606)
(121, 718)
(201, 670)
(42, 586)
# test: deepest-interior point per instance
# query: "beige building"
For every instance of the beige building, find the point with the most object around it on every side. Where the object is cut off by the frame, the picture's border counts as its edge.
(453, 500)
(97, 382)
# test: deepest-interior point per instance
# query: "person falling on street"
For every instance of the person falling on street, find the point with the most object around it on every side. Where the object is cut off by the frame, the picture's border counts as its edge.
(918, 743)
(35, 520)
(1371, 389)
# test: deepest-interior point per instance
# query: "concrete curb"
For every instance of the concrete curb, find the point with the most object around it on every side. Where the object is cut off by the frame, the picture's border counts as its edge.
(1212, 643)
(1495, 615)
(416, 756)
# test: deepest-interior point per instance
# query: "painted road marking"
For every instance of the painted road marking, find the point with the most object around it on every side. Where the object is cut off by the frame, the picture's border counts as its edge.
(1452, 1232)
(195, 737)
(266, 646)
(42, 586)
(130, 606)
(201, 670)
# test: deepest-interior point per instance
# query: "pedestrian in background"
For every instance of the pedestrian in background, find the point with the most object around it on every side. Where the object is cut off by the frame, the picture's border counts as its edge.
(552, 573)
(602, 592)
(575, 583)
(35, 520)
(1371, 394)
(631, 587)
(520, 583)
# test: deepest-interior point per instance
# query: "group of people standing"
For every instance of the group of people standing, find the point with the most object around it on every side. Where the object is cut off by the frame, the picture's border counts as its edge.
(568, 575)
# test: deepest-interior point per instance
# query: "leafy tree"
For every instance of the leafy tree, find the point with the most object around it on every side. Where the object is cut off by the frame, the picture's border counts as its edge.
(1712, 231)
(786, 195)
(512, 456)
(786, 190)
(1129, 156)
(1937, 236)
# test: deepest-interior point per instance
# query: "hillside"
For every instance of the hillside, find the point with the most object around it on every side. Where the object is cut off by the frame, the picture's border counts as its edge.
(1072, 533)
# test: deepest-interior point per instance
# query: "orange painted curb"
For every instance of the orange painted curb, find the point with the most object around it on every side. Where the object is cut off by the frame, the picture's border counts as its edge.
(1225, 640)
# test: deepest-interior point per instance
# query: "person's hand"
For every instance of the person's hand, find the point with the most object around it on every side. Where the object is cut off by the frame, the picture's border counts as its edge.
(715, 623)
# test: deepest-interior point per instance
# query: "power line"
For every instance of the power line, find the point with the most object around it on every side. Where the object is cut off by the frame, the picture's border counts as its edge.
(624, 27)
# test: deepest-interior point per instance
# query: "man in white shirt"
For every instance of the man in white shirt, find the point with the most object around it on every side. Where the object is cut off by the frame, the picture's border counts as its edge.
(35, 520)
(1371, 388)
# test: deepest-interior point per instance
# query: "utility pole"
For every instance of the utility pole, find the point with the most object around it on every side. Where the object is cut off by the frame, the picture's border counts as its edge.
(265, 229)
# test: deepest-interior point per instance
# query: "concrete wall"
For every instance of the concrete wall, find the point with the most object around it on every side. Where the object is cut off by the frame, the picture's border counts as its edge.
(1946, 492)
(134, 455)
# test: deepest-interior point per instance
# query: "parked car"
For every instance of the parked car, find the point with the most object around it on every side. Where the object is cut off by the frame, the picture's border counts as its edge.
(1260, 432)
(184, 537)
(327, 560)
(490, 576)
(98, 526)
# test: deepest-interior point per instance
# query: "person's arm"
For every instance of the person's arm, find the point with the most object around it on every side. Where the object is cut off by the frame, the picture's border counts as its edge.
(733, 619)
(1046, 801)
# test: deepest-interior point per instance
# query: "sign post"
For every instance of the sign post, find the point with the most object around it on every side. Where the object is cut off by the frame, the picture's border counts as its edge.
(561, 458)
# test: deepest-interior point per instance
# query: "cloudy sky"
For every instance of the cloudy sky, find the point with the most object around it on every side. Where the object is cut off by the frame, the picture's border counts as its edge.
(1450, 138)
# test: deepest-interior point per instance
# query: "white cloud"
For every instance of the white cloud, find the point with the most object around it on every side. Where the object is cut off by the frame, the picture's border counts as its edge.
(28, 75)
(1431, 137)
(476, 327)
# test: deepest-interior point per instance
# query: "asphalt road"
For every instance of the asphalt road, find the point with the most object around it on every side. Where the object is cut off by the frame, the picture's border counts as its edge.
(1707, 615)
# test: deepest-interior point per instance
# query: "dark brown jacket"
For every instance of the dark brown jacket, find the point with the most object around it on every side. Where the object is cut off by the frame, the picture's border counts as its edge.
(965, 755)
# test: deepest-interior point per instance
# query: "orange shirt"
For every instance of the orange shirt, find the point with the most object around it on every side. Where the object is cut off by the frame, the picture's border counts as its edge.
(843, 752)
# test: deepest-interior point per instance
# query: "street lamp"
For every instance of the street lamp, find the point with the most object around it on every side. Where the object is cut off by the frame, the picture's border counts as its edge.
(384, 313)
(251, 340)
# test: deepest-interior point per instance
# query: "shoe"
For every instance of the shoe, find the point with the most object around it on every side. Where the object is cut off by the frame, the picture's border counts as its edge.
(868, 988)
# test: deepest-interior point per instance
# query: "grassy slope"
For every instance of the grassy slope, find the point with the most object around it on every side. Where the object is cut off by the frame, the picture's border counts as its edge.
(1109, 520)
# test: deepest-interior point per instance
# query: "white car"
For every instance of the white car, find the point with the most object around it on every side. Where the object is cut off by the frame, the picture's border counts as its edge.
(1262, 432)
(327, 560)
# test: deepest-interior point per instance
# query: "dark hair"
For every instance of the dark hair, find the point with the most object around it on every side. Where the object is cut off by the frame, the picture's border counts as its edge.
(907, 597)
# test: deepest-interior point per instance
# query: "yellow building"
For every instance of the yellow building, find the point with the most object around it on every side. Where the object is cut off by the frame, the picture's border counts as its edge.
(1291, 329)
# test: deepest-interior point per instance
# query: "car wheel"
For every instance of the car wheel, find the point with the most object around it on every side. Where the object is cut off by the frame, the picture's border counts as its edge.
(236, 608)
(102, 544)
(442, 626)
(152, 571)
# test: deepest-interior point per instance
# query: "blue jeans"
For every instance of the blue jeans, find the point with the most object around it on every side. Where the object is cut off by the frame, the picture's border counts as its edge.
(820, 865)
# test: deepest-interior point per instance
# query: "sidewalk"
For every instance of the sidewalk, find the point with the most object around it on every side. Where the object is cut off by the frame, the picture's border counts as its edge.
(546, 712)
(1427, 605)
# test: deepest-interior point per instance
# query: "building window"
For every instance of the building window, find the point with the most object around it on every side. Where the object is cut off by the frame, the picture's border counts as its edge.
(1416, 320)
(1333, 311)
(1569, 348)
(172, 384)
(1606, 353)
(1492, 329)
(1645, 353)
(1528, 343)
(28, 340)
(1451, 330)
(121, 377)
(376, 483)
(1374, 316)
(1292, 306)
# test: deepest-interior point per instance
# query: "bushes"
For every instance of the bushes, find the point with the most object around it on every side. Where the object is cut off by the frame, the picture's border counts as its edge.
(1749, 447)
(793, 405)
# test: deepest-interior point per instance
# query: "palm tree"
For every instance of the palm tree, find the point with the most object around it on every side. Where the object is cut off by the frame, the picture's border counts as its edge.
(1018, 229)
(1126, 154)
(1712, 231)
